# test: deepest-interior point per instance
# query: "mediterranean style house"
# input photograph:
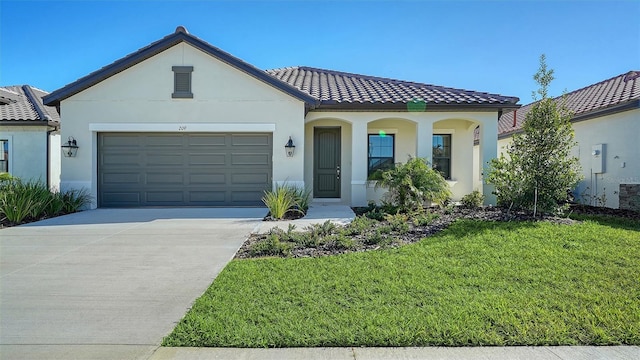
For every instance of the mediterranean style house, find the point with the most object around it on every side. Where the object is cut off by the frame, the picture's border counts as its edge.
(183, 123)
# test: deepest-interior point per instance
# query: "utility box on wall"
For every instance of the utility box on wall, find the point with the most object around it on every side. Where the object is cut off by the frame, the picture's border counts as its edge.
(597, 158)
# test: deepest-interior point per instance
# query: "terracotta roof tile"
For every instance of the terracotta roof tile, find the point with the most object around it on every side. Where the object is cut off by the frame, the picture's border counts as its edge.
(607, 94)
(335, 87)
(24, 104)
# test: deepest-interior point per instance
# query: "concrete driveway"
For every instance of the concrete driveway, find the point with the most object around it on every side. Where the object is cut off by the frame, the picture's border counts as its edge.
(110, 283)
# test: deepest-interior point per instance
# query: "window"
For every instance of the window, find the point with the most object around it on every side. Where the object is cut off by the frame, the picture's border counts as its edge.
(381, 151)
(182, 82)
(442, 155)
(4, 156)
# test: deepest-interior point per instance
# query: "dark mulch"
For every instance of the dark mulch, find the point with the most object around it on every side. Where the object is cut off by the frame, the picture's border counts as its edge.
(289, 215)
(4, 223)
(595, 210)
(441, 219)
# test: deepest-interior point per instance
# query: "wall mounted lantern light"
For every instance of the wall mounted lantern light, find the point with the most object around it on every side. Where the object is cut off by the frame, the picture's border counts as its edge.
(289, 148)
(70, 148)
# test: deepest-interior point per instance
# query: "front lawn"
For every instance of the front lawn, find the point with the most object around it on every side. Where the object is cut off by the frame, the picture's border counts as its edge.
(476, 283)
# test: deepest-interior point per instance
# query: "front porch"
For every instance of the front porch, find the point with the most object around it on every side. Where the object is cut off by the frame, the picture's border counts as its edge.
(342, 149)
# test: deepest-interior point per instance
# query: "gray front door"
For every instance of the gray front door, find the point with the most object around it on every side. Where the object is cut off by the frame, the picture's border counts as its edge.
(183, 169)
(326, 162)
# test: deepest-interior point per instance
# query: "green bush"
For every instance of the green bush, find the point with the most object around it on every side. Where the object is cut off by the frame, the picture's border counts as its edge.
(279, 201)
(74, 200)
(271, 246)
(423, 219)
(413, 184)
(472, 200)
(398, 222)
(359, 225)
(22, 201)
(341, 241)
(377, 238)
(286, 198)
(302, 198)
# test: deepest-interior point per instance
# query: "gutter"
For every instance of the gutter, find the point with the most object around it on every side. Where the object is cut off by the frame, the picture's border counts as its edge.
(401, 106)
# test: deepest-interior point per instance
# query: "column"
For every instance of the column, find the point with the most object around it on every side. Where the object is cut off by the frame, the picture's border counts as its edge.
(424, 141)
(359, 148)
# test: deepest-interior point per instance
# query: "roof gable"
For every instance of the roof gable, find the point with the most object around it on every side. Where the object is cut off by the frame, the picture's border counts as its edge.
(180, 35)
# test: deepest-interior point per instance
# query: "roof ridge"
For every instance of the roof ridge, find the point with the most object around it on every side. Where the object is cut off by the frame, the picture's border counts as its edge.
(33, 99)
(385, 79)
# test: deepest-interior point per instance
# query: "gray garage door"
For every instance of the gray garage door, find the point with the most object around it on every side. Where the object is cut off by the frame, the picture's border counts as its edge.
(183, 169)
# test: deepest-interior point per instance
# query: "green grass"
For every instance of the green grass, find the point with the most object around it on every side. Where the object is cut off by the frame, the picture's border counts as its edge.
(477, 283)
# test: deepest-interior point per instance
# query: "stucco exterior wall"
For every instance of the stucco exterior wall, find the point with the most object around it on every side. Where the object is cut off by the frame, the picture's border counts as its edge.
(27, 151)
(620, 135)
(139, 99)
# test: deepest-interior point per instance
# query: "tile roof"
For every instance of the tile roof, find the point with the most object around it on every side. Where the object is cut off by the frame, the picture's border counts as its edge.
(340, 88)
(23, 104)
(591, 101)
(316, 87)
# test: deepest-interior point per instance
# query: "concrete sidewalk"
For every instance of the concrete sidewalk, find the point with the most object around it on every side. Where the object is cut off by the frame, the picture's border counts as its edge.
(430, 353)
(318, 213)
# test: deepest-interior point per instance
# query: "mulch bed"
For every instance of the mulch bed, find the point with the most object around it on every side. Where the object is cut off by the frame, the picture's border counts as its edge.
(415, 233)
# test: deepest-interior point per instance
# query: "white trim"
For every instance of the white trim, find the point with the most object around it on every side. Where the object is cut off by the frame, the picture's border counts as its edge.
(358, 182)
(181, 127)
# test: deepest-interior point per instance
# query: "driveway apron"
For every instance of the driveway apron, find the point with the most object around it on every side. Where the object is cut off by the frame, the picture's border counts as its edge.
(110, 276)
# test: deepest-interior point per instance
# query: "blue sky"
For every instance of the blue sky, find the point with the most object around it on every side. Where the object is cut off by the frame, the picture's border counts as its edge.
(490, 46)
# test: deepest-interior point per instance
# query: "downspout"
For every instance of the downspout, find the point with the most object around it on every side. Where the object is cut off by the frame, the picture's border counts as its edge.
(49, 132)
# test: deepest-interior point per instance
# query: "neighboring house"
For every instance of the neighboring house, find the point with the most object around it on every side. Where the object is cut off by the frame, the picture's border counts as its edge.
(29, 141)
(606, 122)
(182, 123)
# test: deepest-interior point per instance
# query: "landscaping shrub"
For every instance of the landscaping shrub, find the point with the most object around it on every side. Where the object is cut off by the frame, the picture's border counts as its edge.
(413, 184)
(472, 200)
(272, 246)
(539, 169)
(359, 225)
(302, 198)
(398, 222)
(286, 199)
(279, 201)
(74, 200)
(21, 201)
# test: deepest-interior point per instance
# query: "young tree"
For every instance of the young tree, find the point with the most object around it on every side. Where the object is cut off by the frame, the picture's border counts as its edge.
(539, 169)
